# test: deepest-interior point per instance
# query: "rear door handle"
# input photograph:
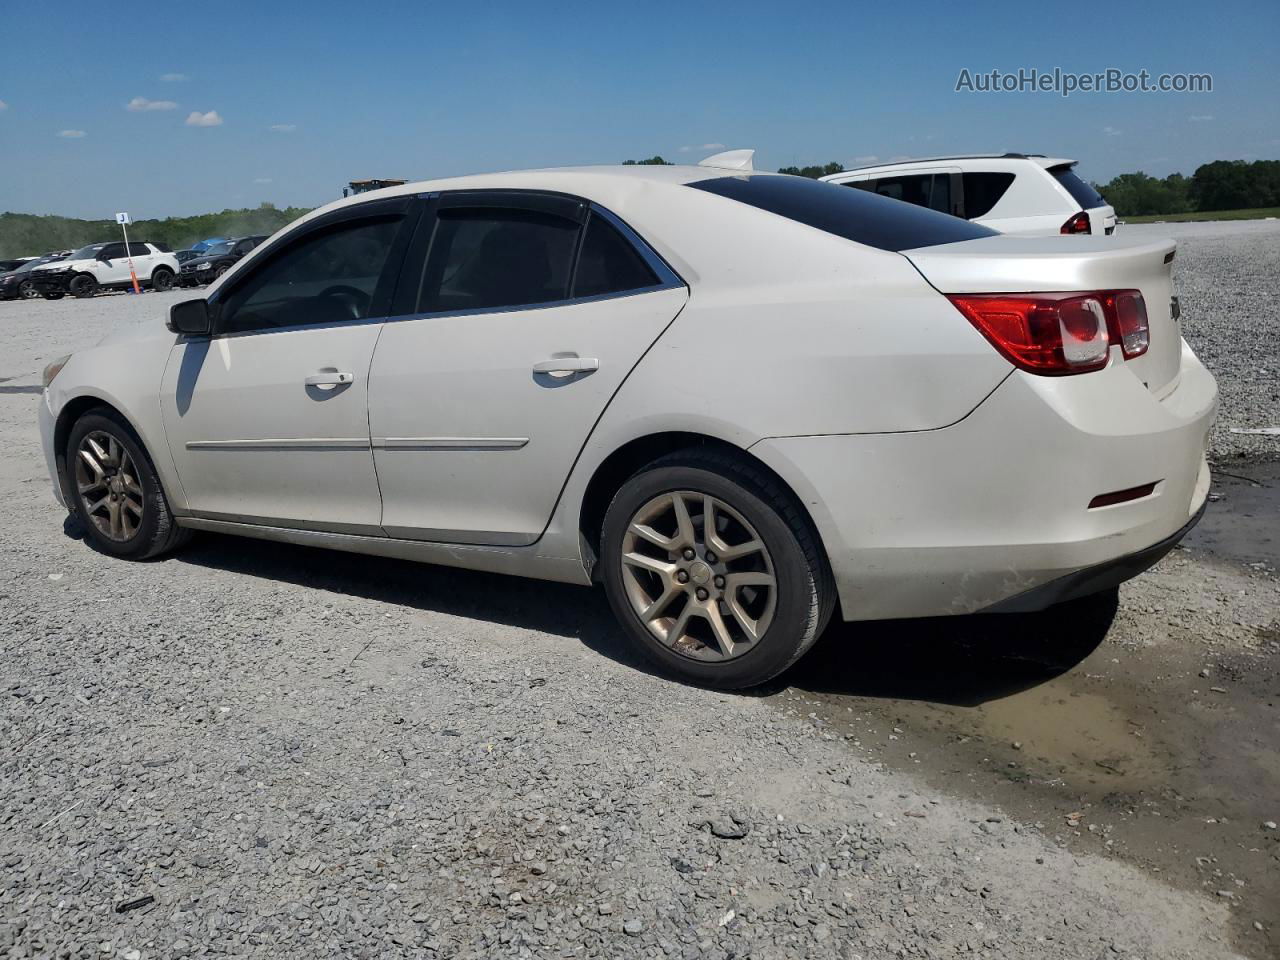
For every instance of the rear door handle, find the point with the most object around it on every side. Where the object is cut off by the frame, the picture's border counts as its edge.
(328, 379)
(566, 366)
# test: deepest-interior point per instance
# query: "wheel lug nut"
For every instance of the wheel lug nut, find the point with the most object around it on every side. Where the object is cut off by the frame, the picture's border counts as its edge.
(702, 594)
(688, 553)
(711, 557)
(719, 581)
(682, 576)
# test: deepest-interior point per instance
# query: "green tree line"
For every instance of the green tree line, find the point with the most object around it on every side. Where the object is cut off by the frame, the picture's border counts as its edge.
(24, 234)
(1221, 185)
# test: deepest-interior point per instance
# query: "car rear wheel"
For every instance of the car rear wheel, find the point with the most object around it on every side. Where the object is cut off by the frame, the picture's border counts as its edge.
(27, 290)
(162, 279)
(714, 571)
(83, 286)
(113, 489)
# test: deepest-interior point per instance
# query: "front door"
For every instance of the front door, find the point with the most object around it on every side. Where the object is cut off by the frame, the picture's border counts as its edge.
(525, 312)
(267, 419)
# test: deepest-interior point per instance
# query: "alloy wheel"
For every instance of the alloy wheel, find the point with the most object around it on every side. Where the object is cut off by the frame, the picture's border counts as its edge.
(108, 486)
(27, 290)
(698, 576)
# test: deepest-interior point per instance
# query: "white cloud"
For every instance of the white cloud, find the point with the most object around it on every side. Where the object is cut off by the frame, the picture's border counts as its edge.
(3, 106)
(198, 119)
(174, 78)
(284, 127)
(1112, 131)
(866, 158)
(138, 104)
(261, 179)
(1200, 117)
(702, 146)
(71, 134)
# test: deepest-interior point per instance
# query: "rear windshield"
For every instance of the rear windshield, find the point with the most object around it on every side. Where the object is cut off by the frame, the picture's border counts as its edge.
(853, 214)
(1081, 192)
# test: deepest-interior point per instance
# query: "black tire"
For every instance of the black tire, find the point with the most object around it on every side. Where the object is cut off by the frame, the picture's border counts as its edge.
(162, 279)
(805, 589)
(27, 290)
(221, 269)
(53, 296)
(83, 286)
(157, 532)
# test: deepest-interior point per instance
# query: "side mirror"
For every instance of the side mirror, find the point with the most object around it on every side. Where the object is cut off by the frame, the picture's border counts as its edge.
(104, 258)
(191, 318)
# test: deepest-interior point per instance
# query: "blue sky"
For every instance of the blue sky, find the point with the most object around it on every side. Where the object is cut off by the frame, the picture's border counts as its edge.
(307, 96)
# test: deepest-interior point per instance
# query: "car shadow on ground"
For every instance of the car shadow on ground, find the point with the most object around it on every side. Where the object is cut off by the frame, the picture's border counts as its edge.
(963, 661)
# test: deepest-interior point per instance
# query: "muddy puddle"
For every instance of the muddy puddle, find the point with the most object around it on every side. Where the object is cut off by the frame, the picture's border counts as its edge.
(1163, 753)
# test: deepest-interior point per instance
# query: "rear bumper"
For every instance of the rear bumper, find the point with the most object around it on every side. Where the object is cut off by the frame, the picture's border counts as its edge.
(1091, 580)
(995, 506)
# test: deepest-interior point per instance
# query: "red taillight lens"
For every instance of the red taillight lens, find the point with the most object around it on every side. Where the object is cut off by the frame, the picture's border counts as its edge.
(1059, 333)
(1048, 333)
(1077, 224)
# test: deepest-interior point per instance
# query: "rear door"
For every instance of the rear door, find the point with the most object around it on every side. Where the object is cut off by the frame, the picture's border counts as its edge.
(521, 314)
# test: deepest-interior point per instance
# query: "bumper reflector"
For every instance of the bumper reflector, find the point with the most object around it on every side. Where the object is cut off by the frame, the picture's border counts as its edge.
(1122, 496)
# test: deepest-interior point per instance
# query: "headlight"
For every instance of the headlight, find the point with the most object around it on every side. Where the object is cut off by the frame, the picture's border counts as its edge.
(53, 369)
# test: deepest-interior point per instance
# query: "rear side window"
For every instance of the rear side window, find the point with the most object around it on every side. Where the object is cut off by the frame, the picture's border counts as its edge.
(982, 191)
(608, 263)
(856, 215)
(139, 250)
(482, 258)
(1081, 192)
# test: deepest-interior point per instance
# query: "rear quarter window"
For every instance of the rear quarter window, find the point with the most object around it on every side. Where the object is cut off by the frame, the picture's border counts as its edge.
(982, 191)
(856, 215)
(1081, 192)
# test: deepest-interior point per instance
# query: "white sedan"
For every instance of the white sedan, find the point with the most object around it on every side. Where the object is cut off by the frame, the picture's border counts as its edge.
(744, 402)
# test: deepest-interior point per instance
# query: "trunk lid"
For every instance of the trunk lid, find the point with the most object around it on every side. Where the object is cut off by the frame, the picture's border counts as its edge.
(1007, 264)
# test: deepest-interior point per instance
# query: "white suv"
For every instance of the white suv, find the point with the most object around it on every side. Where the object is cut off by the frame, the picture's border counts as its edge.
(1013, 192)
(106, 266)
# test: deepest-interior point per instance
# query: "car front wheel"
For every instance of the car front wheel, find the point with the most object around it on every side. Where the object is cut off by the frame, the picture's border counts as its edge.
(27, 290)
(713, 569)
(162, 279)
(83, 286)
(113, 489)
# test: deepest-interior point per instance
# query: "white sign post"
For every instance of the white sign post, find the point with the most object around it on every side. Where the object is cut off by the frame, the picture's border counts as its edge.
(124, 221)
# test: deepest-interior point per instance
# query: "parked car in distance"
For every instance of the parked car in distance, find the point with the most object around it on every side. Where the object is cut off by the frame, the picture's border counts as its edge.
(189, 254)
(14, 264)
(741, 401)
(205, 244)
(217, 260)
(105, 266)
(1013, 192)
(17, 283)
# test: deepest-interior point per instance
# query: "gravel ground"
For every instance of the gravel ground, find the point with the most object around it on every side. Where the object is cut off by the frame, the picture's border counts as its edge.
(1227, 277)
(261, 750)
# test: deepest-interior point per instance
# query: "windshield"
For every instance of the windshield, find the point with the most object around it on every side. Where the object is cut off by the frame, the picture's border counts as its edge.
(86, 253)
(219, 248)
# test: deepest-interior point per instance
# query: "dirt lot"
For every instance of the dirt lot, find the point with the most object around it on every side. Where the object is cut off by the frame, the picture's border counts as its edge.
(296, 752)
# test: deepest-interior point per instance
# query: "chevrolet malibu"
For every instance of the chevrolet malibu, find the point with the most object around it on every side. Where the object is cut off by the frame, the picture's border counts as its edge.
(743, 402)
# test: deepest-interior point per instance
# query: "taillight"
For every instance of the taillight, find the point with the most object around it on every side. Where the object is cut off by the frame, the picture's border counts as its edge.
(1130, 324)
(1077, 224)
(1054, 334)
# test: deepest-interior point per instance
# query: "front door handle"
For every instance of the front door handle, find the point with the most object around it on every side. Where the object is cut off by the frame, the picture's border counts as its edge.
(566, 366)
(330, 378)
